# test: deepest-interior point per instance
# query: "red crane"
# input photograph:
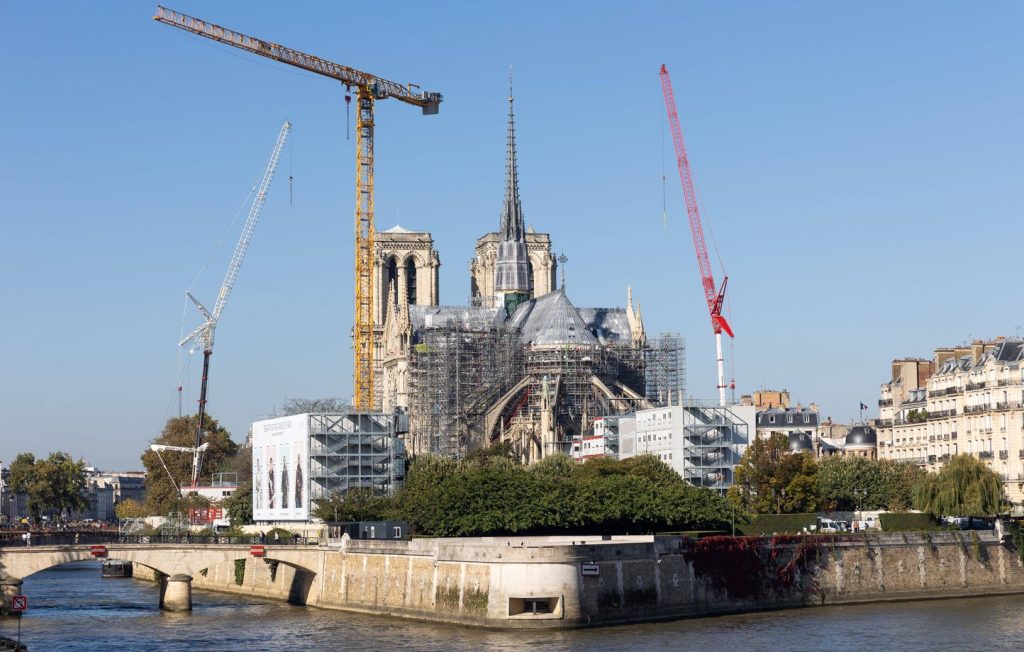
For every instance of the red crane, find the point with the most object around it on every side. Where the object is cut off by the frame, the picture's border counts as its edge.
(714, 296)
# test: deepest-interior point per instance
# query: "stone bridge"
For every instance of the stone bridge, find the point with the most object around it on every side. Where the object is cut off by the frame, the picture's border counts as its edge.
(174, 563)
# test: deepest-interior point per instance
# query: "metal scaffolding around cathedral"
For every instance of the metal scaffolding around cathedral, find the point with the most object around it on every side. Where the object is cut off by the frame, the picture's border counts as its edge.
(521, 363)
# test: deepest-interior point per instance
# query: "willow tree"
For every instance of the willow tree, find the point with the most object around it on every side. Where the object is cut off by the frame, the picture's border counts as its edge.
(964, 487)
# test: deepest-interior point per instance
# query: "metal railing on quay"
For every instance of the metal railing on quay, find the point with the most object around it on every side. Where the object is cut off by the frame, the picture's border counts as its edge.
(15, 538)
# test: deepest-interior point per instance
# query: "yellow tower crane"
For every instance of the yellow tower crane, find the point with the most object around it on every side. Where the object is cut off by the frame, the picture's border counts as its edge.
(369, 88)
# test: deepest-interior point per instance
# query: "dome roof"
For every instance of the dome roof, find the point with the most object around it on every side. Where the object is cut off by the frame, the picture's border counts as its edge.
(552, 320)
(800, 442)
(862, 436)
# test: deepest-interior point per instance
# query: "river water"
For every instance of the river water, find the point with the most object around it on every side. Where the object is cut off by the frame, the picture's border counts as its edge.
(72, 608)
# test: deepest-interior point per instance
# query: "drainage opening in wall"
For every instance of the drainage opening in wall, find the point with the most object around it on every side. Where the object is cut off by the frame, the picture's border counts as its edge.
(535, 607)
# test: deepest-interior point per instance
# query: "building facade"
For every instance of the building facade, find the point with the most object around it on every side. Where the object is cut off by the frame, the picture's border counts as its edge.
(702, 443)
(302, 458)
(967, 400)
(520, 363)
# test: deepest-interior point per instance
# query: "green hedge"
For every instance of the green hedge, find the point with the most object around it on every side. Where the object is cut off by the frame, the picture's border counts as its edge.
(777, 524)
(907, 522)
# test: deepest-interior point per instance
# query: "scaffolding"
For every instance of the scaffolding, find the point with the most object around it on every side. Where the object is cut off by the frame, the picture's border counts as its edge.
(665, 372)
(710, 434)
(354, 450)
(465, 362)
(457, 371)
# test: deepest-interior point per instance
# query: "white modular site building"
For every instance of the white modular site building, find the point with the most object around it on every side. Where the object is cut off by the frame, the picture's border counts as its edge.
(702, 442)
(307, 457)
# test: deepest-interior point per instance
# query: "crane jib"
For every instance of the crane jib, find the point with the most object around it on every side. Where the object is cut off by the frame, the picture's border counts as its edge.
(381, 88)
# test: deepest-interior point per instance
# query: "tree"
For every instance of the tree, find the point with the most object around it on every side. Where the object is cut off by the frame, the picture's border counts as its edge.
(162, 493)
(770, 478)
(130, 508)
(55, 486)
(357, 504)
(238, 506)
(314, 405)
(964, 487)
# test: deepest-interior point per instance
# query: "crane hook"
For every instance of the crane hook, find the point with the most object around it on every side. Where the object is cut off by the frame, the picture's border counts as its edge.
(348, 114)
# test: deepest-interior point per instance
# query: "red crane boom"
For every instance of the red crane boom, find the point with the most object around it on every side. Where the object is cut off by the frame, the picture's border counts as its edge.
(715, 296)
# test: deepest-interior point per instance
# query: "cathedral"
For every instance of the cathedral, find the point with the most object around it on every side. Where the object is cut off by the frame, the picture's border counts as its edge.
(521, 363)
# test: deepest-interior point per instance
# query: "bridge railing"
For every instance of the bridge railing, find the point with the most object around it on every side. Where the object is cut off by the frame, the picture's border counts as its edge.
(15, 539)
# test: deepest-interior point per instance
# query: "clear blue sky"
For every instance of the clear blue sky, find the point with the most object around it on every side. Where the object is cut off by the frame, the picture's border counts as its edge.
(860, 164)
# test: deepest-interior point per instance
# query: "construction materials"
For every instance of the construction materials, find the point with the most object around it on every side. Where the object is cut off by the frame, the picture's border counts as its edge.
(204, 333)
(369, 88)
(715, 297)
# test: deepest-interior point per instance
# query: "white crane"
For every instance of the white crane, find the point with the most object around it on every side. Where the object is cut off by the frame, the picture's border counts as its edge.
(197, 455)
(204, 333)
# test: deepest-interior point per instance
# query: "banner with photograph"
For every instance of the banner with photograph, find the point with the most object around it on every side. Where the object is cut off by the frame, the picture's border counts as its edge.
(280, 469)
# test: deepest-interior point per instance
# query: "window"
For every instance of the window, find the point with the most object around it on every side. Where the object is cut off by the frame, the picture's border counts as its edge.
(396, 532)
(807, 418)
(771, 418)
(789, 418)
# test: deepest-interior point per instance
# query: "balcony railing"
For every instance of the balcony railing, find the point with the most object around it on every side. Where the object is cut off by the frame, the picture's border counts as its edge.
(952, 435)
(974, 386)
(931, 459)
(985, 455)
(944, 458)
(1004, 455)
(884, 402)
(946, 391)
(972, 409)
(1009, 405)
(1002, 382)
(940, 414)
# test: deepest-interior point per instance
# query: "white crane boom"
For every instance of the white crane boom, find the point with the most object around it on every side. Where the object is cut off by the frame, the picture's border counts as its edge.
(197, 455)
(206, 330)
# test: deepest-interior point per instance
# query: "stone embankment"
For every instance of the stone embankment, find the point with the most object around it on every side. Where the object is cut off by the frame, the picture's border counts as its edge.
(558, 582)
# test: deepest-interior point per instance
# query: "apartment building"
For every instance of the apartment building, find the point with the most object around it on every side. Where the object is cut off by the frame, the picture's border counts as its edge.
(968, 399)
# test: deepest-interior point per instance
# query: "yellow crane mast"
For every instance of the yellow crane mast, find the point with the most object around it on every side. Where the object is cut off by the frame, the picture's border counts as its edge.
(369, 88)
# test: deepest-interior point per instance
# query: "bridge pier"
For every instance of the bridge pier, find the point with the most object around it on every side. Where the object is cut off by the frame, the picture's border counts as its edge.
(8, 589)
(176, 593)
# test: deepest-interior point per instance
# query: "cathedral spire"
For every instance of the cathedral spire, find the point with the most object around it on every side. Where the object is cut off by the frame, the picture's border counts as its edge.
(512, 229)
(512, 280)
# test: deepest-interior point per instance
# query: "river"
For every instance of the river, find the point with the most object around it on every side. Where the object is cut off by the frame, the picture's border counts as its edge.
(72, 608)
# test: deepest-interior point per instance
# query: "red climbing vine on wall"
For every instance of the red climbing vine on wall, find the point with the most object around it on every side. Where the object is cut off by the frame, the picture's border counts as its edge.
(756, 567)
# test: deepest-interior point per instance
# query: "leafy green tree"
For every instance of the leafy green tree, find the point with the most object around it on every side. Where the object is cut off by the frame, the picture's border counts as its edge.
(849, 483)
(898, 483)
(130, 508)
(770, 478)
(55, 486)
(238, 506)
(964, 487)
(162, 493)
(358, 504)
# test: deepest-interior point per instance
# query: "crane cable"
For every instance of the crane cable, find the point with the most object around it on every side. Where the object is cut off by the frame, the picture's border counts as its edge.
(160, 457)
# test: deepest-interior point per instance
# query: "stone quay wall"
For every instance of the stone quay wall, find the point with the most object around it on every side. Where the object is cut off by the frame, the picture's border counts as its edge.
(561, 582)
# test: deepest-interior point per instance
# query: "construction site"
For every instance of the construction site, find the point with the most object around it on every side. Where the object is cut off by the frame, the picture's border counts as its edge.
(519, 364)
(474, 381)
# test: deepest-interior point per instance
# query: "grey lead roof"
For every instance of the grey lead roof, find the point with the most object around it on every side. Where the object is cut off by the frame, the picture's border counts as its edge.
(474, 318)
(608, 324)
(552, 320)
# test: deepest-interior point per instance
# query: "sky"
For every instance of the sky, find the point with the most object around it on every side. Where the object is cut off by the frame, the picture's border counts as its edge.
(859, 164)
